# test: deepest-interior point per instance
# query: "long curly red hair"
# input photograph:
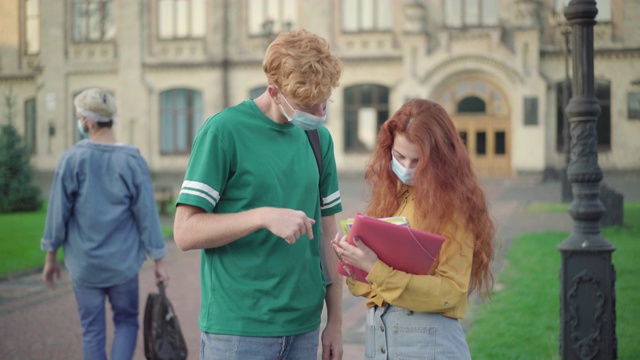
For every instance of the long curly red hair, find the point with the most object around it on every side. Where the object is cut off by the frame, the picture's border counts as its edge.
(447, 189)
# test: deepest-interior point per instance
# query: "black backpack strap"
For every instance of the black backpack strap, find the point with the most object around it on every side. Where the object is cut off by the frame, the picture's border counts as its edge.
(314, 139)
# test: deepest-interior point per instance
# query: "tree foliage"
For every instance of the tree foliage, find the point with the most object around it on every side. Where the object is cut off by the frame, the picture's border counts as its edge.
(16, 191)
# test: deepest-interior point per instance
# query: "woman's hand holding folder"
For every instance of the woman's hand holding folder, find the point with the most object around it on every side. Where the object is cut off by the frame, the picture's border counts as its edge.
(358, 255)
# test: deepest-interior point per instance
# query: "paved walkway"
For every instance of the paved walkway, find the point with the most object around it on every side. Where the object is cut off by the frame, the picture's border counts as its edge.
(37, 323)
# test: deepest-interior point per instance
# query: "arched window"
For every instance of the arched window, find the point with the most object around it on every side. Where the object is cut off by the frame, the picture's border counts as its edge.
(472, 104)
(180, 119)
(366, 107)
(603, 126)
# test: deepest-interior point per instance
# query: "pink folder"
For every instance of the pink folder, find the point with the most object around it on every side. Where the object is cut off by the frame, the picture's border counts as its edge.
(401, 247)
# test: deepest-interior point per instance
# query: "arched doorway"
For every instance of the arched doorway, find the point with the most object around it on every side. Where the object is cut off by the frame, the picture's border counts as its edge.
(481, 114)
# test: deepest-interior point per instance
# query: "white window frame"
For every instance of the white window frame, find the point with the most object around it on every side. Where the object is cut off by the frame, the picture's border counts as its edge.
(93, 21)
(470, 13)
(366, 15)
(32, 27)
(181, 19)
(270, 17)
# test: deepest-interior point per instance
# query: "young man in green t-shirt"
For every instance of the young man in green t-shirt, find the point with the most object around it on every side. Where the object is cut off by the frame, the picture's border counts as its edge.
(251, 201)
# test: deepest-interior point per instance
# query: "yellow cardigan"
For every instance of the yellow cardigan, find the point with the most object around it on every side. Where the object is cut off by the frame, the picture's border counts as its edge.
(444, 290)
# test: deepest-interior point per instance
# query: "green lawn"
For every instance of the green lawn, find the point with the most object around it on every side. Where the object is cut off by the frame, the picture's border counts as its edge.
(20, 241)
(522, 321)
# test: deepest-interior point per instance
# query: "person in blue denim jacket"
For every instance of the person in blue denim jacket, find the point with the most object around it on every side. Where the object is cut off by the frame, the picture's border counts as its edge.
(103, 213)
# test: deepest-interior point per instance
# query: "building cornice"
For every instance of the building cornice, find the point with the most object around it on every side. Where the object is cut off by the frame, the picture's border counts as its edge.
(181, 65)
(370, 59)
(620, 53)
(18, 77)
(199, 65)
(255, 62)
(474, 60)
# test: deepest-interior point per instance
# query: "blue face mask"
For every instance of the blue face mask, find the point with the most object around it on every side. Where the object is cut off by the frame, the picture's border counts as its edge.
(83, 133)
(303, 120)
(403, 173)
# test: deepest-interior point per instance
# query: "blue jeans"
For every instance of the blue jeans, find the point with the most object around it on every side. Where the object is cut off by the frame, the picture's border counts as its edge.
(124, 305)
(232, 347)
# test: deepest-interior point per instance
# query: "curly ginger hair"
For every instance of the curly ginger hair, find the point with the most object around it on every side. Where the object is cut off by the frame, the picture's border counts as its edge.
(302, 66)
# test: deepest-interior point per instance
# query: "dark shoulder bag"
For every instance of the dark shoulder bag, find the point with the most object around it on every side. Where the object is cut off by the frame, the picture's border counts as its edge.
(163, 339)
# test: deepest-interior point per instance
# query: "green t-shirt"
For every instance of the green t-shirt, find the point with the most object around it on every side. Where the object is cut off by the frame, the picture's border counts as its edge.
(260, 285)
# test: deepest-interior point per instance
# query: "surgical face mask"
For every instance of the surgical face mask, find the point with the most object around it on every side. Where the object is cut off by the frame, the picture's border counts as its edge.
(303, 120)
(403, 173)
(83, 133)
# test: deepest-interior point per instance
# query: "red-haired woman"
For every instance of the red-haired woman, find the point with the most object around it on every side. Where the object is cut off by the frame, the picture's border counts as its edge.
(421, 170)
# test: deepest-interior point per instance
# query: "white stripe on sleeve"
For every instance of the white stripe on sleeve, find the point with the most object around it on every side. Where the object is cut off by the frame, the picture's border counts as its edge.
(200, 194)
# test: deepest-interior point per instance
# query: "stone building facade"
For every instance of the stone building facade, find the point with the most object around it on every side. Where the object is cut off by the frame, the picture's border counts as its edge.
(498, 67)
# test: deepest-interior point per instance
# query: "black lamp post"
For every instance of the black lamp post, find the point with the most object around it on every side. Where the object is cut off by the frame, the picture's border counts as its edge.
(566, 137)
(587, 276)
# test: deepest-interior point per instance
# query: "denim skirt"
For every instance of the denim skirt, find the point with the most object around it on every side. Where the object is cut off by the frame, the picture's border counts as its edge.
(396, 333)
